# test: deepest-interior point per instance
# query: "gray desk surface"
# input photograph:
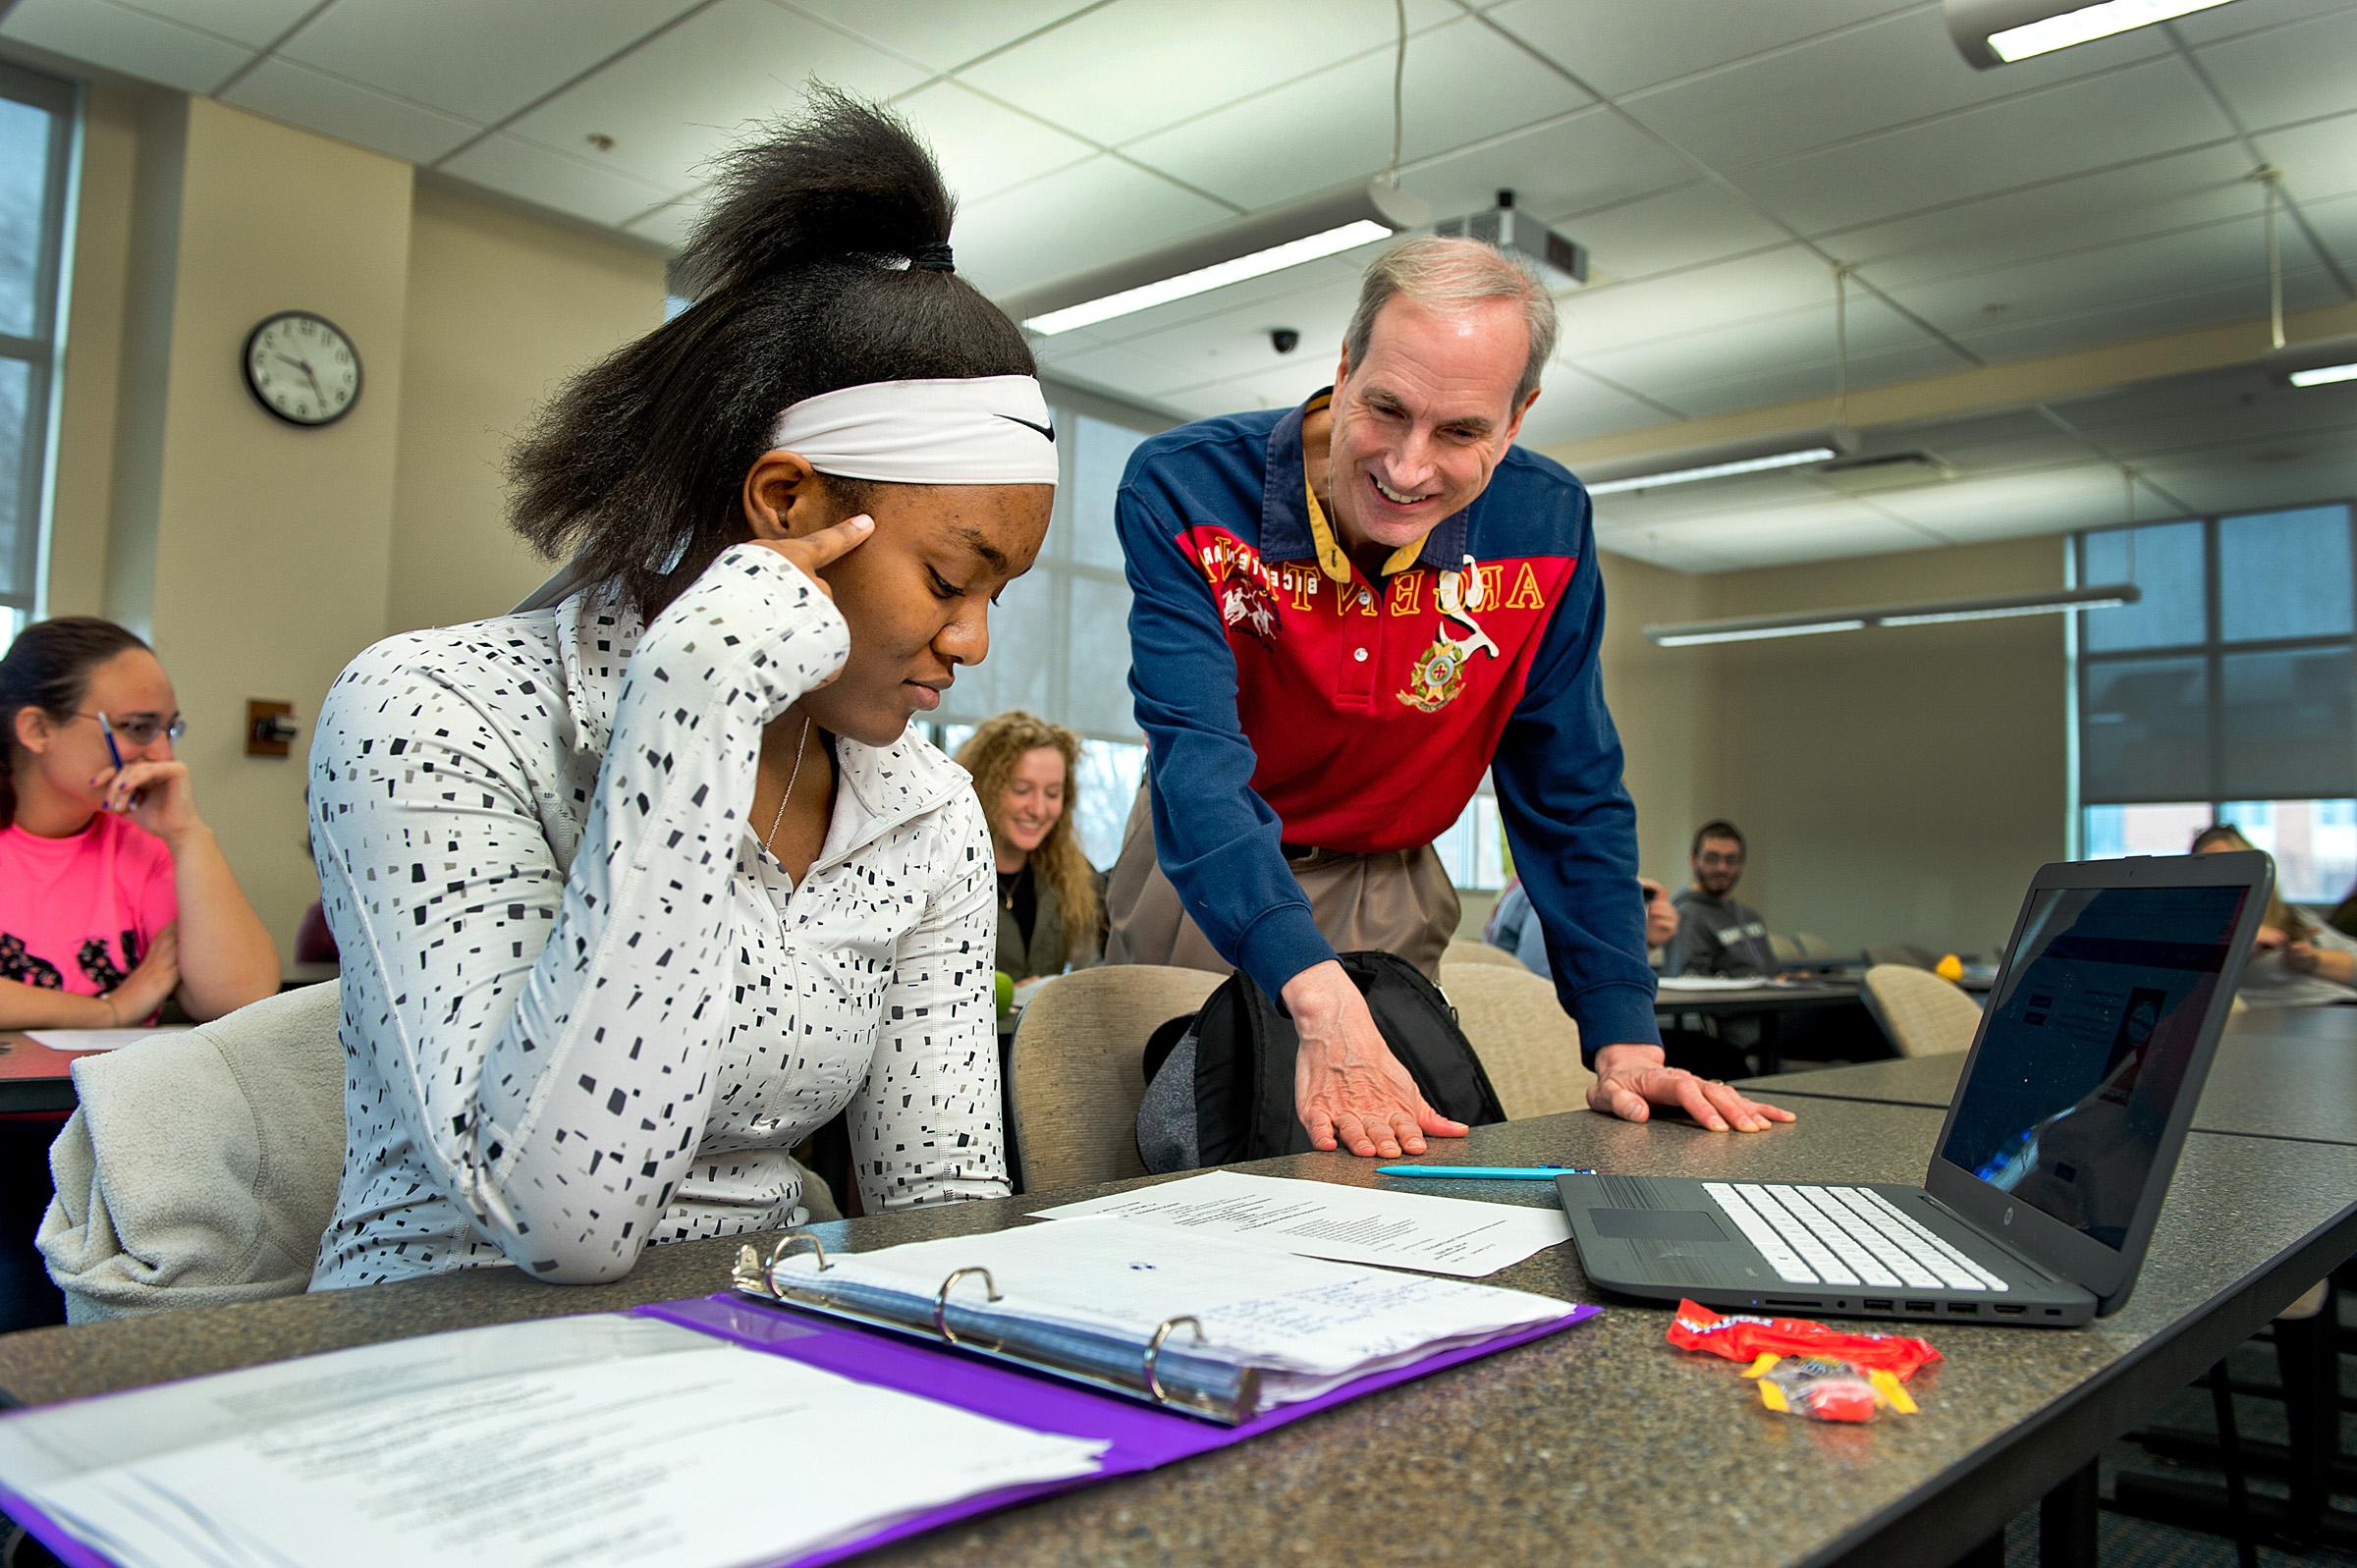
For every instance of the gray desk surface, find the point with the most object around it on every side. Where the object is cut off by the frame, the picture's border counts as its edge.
(1600, 1441)
(2278, 1073)
(1789, 996)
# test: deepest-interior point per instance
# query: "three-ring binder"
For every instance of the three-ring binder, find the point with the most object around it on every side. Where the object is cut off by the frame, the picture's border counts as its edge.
(1192, 1378)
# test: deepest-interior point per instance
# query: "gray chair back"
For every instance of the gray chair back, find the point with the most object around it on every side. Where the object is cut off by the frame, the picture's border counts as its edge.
(1073, 1077)
(1923, 1015)
(1527, 1047)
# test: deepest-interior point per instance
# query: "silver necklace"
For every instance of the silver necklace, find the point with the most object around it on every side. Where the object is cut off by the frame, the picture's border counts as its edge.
(788, 794)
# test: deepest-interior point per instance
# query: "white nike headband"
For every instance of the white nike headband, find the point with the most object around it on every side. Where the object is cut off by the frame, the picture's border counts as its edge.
(975, 430)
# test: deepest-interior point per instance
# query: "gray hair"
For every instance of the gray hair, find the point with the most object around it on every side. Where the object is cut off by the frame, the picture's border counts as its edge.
(1446, 274)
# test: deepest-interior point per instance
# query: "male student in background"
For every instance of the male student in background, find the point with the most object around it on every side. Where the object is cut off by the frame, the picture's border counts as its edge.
(1716, 935)
(1345, 614)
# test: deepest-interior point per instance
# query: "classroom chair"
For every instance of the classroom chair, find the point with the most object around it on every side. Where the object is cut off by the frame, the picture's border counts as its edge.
(1923, 1015)
(1074, 1076)
(1518, 1028)
(200, 1168)
(1465, 950)
(1902, 952)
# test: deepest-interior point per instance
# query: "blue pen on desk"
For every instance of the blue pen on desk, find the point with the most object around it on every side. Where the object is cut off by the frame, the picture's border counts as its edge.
(1486, 1172)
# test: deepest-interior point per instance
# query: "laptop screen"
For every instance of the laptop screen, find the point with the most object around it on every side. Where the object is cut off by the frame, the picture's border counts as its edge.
(2087, 1042)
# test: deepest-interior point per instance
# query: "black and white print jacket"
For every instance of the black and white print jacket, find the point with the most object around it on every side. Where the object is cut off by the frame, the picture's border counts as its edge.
(584, 1010)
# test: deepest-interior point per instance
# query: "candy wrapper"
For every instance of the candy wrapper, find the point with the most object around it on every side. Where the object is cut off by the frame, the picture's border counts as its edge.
(1744, 1338)
(1824, 1389)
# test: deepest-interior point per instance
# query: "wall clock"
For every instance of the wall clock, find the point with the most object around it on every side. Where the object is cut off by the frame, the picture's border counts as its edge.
(301, 369)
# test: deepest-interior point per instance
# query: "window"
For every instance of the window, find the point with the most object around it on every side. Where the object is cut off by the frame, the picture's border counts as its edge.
(1059, 634)
(2228, 694)
(37, 144)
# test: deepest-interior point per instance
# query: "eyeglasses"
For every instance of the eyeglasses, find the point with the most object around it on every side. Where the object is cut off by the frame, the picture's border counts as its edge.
(1712, 857)
(142, 728)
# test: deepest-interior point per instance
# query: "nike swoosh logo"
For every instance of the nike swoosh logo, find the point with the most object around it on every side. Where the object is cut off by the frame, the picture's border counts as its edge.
(1047, 430)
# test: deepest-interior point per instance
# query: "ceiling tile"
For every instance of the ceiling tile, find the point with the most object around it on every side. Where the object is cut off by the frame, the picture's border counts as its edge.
(2114, 204)
(1796, 338)
(1762, 385)
(1117, 370)
(133, 42)
(1988, 444)
(2287, 73)
(1281, 386)
(984, 148)
(1137, 66)
(941, 33)
(480, 59)
(2252, 16)
(1679, 228)
(2336, 223)
(1599, 319)
(2116, 118)
(1681, 503)
(1573, 163)
(569, 185)
(2276, 475)
(698, 89)
(1575, 408)
(672, 223)
(2218, 256)
(364, 116)
(1815, 530)
(2083, 495)
(1658, 553)
(2150, 317)
(1071, 220)
(258, 23)
(1465, 82)
(1885, 73)
(1618, 48)
(2318, 159)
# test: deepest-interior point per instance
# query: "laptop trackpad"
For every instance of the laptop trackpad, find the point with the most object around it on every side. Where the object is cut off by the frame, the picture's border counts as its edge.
(1658, 1225)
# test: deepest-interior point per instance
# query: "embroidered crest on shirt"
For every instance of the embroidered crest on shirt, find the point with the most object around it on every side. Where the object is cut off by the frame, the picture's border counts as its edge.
(1438, 676)
(1245, 601)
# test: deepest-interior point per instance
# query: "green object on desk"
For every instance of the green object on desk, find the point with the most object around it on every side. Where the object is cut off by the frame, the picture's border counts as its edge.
(1002, 989)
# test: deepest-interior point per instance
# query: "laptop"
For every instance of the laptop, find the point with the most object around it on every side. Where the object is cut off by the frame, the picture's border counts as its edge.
(2047, 1175)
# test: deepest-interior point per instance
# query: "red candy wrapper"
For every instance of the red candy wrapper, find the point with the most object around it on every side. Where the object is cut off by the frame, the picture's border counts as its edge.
(1825, 1391)
(1745, 1338)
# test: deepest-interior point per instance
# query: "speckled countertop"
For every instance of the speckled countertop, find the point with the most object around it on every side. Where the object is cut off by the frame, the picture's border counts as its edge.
(1600, 1444)
(2281, 1072)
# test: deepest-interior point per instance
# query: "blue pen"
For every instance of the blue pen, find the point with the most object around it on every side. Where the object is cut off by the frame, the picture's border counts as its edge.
(1486, 1172)
(107, 729)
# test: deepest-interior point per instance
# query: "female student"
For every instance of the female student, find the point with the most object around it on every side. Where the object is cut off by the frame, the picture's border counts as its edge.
(1051, 899)
(113, 891)
(2299, 961)
(637, 892)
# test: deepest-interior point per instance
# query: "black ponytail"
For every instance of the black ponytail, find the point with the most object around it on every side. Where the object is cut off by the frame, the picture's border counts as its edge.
(48, 667)
(814, 269)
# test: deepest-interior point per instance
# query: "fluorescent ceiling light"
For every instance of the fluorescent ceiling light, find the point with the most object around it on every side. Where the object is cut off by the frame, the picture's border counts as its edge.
(1323, 224)
(1714, 470)
(1812, 623)
(1995, 33)
(1146, 296)
(2318, 363)
(1802, 628)
(2324, 375)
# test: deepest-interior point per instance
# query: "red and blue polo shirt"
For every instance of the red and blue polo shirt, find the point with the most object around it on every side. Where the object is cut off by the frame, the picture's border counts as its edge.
(1288, 699)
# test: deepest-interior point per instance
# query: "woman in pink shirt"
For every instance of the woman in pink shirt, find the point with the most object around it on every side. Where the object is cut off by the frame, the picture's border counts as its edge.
(113, 893)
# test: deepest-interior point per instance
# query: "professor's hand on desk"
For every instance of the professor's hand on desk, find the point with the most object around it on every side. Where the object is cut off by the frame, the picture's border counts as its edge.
(1630, 1080)
(1349, 1089)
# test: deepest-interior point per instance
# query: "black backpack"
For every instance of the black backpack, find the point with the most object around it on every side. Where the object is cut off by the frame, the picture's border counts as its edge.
(1220, 1082)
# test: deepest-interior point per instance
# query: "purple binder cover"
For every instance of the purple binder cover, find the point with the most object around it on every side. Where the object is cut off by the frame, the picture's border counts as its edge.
(1139, 1437)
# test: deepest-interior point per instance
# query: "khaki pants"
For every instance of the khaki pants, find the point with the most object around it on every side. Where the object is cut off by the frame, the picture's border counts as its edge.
(1401, 902)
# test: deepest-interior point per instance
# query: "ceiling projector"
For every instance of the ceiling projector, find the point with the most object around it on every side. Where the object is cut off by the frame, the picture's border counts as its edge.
(1559, 262)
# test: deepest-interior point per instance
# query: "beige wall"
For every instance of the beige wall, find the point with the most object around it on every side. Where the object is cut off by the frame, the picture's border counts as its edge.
(259, 557)
(1896, 785)
(501, 308)
(1660, 701)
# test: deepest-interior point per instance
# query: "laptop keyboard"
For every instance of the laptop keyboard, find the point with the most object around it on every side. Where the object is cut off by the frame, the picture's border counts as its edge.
(1844, 1236)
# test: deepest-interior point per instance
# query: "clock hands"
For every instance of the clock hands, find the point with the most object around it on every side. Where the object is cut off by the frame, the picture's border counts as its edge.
(304, 365)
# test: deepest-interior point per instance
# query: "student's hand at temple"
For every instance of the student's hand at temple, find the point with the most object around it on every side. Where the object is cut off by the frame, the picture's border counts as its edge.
(1349, 1089)
(1630, 1080)
(813, 553)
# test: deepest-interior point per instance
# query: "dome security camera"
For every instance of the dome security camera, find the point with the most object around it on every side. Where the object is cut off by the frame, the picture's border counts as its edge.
(1284, 340)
